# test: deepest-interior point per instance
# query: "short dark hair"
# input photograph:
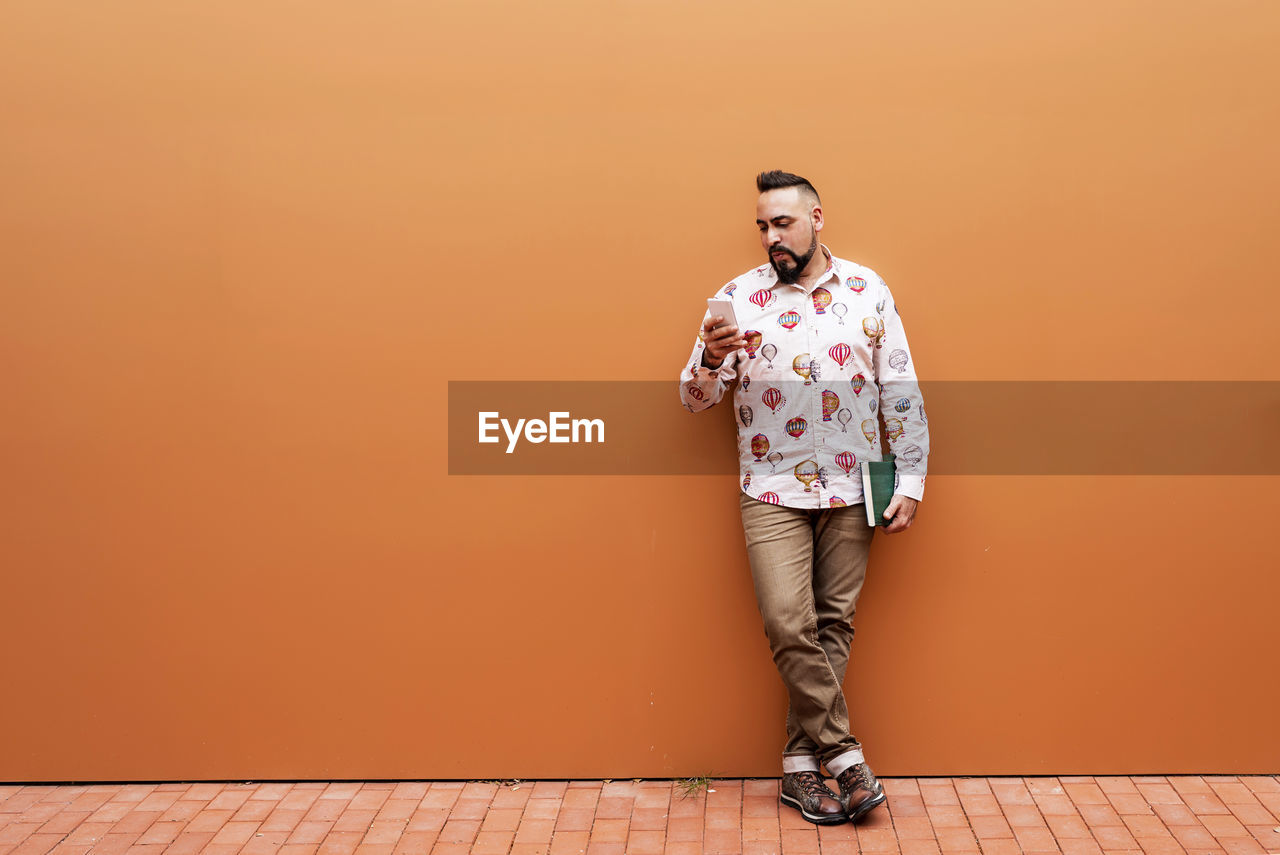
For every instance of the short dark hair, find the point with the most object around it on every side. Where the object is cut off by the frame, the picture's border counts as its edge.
(776, 179)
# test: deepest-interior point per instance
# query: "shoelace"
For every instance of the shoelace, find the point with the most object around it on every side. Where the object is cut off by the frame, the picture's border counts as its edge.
(854, 777)
(812, 785)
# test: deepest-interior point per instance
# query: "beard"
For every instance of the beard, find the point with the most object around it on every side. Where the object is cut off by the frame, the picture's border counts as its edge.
(791, 275)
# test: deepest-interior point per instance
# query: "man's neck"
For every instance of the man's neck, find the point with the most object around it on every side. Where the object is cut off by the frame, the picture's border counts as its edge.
(816, 269)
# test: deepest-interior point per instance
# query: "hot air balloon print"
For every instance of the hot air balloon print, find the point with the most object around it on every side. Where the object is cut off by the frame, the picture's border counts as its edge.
(844, 417)
(837, 502)
(873, 328)
(880, 307)
(830, 403)
(839, 310)
(857, 283)
(902, 405)
(769, 351)
(840, 353)
(789, 319)
(846, 461)
(923, 417)
(759, 446)
(694, 391)
(796, 427)
(893, 429)
(821, 299)
(800, 365)
(898, 360)
(771, 498)
(746, 382)
(806, 473)
(730, 288)
(912, 454)
(773, 399)
(869, 430)
(746, 414)
(762, 298)
(753, 338)
(774, 459)
(857, 383)
(872, 404)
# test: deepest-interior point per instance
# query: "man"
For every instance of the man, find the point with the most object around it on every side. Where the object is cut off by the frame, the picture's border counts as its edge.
(819, 355)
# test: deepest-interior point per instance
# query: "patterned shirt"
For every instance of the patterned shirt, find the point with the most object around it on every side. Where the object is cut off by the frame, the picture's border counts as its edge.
(819, 365)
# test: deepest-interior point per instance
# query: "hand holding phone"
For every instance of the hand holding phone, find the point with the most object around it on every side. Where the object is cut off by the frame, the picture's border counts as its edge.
(720, 332)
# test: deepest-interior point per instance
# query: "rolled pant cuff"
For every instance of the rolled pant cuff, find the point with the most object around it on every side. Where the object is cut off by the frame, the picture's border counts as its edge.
(799, 763)
(838, 764)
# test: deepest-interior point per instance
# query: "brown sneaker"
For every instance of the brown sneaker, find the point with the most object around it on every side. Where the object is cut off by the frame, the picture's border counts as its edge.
(860, 791)
(808, 793)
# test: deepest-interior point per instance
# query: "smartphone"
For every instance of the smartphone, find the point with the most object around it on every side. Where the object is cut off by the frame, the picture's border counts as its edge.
(722, 307)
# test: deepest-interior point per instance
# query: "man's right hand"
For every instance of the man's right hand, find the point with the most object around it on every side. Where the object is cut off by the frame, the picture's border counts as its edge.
(719, 342)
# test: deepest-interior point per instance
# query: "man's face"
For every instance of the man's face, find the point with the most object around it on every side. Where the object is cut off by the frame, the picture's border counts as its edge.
(789, 223)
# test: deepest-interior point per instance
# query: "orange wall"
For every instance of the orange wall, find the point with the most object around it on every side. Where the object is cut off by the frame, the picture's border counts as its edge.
(246, 246)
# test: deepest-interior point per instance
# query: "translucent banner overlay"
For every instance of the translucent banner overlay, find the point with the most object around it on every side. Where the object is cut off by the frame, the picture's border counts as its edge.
(975, 427)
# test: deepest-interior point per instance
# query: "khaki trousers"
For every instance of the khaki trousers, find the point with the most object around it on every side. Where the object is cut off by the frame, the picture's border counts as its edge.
(808, 567)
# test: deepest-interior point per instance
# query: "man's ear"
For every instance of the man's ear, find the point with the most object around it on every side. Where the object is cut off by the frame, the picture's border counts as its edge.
(816, 216)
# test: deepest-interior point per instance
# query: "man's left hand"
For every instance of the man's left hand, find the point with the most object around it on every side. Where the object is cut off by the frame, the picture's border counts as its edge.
(901, 511)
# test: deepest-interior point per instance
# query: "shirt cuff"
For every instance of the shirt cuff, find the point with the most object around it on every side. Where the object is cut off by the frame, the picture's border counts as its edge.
(911, 486)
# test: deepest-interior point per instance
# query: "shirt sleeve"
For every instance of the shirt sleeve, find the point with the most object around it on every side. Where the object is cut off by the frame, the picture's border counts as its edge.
(702, 387)
(901, 402)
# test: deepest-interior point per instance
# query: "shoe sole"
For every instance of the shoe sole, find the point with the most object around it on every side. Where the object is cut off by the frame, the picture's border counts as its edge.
(868, 806)
(836, 819)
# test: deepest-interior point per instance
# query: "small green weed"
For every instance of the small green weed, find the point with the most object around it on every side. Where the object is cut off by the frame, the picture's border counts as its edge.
(695, 785)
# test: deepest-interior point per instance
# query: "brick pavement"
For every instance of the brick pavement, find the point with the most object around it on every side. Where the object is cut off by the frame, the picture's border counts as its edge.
(925, 816)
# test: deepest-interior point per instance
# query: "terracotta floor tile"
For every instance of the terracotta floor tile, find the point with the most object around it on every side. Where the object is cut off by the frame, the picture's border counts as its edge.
(980, 805)
(492, 842)
(1177, 814)
(909, 805)
(646, 842)
(1072, 826)
(1145, 826)
(1096, 815)
(1001, 846)
(1023, 816)
(801, 841)
(913, 828)
(972, 786)
(1224, 826)
(610, 830)
(677, 848)
(1085, 793)
(1035, 839)
(948, 816)
(1112, 785)
(1079, 846)
(1113, 837)
(722, 840)
(569, 842)
(957, 840)
(760, 829)
(1194, 837)
(987, 827)
(535, 831)
(1251, 814)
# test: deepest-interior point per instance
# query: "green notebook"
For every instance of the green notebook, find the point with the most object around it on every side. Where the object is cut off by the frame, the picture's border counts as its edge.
(877, 488)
